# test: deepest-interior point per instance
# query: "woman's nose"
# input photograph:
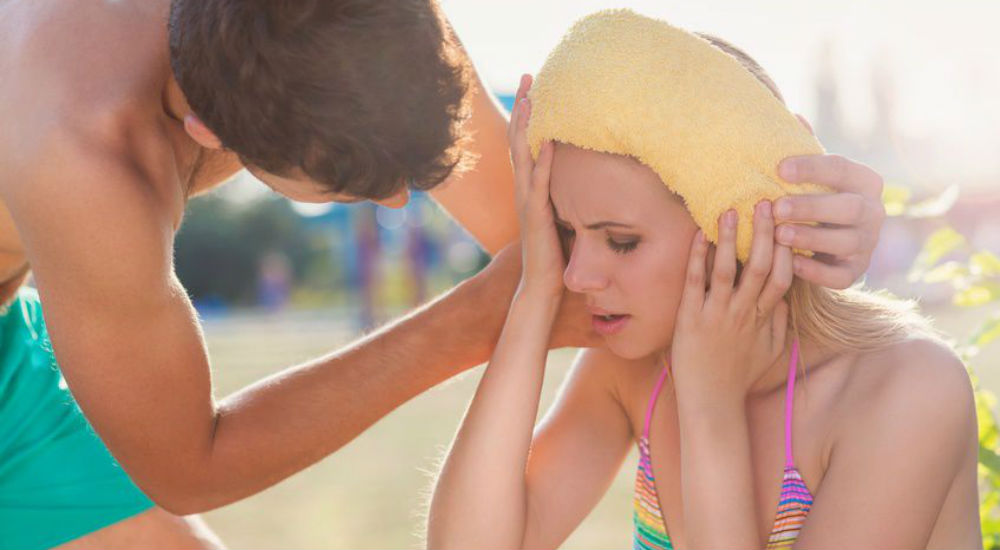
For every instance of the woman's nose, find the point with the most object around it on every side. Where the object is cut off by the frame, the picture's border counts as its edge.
(583, 274)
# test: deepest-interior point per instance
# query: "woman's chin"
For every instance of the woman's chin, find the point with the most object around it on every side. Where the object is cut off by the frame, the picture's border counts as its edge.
(630, 348)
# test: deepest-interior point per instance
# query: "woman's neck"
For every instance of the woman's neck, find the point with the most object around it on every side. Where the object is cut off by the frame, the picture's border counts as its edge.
(811, 356)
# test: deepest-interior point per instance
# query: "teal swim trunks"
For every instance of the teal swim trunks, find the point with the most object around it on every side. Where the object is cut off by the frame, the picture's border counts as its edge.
(58, 482)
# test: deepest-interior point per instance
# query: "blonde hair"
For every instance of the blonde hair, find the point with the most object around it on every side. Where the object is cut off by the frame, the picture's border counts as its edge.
(854, 319)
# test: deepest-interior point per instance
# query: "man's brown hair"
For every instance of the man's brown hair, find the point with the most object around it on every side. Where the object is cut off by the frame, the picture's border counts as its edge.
(363, 96)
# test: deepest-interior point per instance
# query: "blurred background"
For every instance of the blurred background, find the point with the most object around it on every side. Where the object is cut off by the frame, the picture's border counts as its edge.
(910, 88)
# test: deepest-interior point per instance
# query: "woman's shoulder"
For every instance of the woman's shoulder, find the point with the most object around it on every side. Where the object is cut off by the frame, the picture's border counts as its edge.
(918, 366)
(914, 384)
(620, 376)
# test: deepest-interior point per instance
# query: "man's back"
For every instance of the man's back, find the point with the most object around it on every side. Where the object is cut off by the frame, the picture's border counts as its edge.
(84, 77)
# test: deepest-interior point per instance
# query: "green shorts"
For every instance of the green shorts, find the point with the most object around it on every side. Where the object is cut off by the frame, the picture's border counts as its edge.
(57, 480)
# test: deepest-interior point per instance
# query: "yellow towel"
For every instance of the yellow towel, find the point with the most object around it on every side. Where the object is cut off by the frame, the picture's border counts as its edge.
(627, 84)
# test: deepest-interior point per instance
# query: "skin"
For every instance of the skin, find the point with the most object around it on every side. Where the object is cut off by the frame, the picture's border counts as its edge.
(717, 440)
(97, 135)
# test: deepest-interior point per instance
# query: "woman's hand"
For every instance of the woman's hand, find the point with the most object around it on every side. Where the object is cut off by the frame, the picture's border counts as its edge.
(727, 336)
(543, 262)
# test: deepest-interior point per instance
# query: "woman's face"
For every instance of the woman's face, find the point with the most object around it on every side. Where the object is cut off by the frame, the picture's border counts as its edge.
(628, 239)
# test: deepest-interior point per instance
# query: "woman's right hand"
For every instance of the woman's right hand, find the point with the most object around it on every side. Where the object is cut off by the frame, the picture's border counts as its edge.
(542, 258)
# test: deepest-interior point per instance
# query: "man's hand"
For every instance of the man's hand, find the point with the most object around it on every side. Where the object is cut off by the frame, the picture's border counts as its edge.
(572, 327)
(849, 221)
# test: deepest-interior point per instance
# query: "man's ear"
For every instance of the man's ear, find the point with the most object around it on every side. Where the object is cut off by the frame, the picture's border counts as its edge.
(200, 133)
(398, 200)
(805, 123)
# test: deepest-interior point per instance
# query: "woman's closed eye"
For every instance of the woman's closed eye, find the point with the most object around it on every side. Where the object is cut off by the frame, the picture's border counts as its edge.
(622, 245)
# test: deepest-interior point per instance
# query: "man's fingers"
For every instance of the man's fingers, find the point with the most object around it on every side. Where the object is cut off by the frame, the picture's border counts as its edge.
(839, 208)
(838, 275)
(834, 171)
(841, 242)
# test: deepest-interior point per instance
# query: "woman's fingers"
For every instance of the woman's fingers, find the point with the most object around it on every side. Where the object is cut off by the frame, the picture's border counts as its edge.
(523, 86)
(520, 153)
(724, 268)
(778, 281)
(779, 326)
(693, 297)
(758, 266)
(541, 172)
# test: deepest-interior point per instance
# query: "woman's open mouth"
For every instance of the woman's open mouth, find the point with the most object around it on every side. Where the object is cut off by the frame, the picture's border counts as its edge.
(607, 325)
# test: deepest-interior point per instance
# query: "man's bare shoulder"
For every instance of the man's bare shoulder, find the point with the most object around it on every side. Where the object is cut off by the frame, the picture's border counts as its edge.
(90, 68)
(92, 47)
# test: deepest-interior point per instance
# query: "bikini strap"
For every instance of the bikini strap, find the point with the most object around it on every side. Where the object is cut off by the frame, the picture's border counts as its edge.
(652, 401)
(789, 400)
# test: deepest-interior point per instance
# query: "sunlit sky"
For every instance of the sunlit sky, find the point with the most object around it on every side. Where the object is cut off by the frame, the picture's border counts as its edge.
(941, 58)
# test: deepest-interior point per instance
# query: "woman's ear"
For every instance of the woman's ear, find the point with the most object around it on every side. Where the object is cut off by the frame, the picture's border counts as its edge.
(200, 133)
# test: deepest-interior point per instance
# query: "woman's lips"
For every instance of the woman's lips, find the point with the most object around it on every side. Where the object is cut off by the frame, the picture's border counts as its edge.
(608, 325)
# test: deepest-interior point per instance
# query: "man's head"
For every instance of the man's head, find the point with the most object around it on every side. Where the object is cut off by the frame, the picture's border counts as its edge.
(337, 98)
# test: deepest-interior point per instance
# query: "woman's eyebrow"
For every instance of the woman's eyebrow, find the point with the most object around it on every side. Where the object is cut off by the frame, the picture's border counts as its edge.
(602, 225)
(596, 225)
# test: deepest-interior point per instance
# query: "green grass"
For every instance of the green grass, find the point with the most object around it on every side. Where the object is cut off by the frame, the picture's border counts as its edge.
(372, 493)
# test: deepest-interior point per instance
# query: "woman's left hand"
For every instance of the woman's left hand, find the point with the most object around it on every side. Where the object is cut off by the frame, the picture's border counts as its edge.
(727, 336)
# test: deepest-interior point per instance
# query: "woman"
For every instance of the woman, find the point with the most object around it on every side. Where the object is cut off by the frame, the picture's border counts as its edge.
(713, 366)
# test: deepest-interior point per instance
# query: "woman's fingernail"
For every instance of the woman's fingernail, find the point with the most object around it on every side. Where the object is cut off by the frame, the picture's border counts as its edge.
(765, 208)
(786, 234)
(731, 218)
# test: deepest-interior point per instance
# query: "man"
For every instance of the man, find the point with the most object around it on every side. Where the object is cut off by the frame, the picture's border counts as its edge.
(112, 121)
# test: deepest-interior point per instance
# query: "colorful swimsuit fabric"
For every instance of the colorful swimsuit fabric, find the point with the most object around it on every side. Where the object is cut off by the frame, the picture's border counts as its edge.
(793, 506)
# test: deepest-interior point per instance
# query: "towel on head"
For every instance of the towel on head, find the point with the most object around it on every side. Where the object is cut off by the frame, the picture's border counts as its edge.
(631, 85)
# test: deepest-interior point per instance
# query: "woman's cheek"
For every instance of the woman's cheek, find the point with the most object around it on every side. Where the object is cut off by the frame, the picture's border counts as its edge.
(663, 281)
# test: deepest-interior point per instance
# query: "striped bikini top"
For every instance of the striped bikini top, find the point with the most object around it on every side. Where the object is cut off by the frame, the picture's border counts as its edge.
(793, 506)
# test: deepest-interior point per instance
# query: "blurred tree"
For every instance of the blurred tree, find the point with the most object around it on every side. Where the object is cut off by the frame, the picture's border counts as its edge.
(221, 245)
(974, 276)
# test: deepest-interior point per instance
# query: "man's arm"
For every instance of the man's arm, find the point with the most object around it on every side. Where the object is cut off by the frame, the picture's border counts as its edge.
(128, 343)
(482, 198)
